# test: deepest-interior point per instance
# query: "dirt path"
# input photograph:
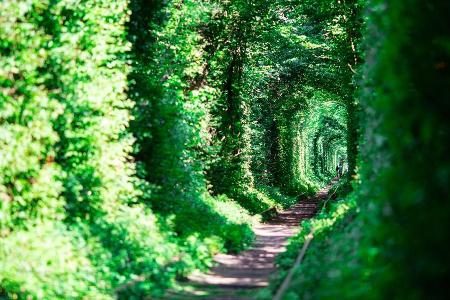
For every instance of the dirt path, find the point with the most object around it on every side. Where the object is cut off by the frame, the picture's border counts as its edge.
(238, 276)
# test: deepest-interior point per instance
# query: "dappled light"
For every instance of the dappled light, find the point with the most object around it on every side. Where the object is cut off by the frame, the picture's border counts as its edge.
(224, 149)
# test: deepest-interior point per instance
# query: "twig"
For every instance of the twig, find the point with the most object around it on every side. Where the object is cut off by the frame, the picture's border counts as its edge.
(351, 68)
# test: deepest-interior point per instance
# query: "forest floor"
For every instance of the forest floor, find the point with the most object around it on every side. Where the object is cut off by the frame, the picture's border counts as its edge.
(239, 276)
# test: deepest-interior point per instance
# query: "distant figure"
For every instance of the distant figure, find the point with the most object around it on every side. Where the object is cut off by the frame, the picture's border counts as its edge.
(340, 167)
(338, 171)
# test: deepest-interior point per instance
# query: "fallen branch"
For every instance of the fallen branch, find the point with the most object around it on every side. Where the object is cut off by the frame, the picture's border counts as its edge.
(269, 213)
(297, 263)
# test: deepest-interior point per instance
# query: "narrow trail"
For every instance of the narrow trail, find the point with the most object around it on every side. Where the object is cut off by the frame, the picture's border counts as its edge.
(237, 277)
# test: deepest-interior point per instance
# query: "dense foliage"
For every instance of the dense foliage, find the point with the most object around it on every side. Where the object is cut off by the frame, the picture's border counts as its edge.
(140, 137)
(388, 238)
(75, 202)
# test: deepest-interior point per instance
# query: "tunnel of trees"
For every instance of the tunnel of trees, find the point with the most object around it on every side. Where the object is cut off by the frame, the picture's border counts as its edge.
(138, 138)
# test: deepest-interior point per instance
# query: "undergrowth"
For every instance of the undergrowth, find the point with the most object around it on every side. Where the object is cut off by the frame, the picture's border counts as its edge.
(329, 254)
